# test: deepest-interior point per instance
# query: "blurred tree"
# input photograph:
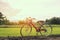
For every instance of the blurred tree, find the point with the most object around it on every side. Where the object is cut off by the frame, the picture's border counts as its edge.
(54, 20)
(3, 19)
(21, 22)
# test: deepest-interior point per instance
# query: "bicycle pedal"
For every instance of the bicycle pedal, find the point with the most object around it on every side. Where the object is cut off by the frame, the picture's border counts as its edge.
(45, 30)
(42, 30)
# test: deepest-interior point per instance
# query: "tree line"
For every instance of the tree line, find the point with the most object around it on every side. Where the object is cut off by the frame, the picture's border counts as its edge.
(53, 20)
(5, 21)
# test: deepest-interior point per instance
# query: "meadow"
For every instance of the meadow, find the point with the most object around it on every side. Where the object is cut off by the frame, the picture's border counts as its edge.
(4, 32)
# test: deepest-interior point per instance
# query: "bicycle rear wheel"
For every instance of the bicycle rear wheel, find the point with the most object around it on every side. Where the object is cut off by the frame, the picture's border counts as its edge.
(25, 30)
(48, 30)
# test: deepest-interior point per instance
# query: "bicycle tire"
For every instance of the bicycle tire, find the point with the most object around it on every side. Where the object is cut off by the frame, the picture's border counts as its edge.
(29, 29)
(48, 28)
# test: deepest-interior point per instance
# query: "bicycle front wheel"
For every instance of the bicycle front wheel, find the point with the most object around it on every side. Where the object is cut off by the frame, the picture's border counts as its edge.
(47, 30)
(25, 30)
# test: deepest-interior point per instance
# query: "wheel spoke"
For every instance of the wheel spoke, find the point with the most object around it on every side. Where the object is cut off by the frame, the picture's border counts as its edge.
(47, 30)
(25, 30)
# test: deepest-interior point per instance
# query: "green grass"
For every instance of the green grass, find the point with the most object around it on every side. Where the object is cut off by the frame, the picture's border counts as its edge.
(56, 30)
(9, 32)
(16, 31)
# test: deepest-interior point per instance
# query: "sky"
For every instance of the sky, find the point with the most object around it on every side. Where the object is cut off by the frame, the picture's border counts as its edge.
(40, 9)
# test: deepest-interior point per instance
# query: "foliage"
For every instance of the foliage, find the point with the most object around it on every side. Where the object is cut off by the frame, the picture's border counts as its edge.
(2, 19)
(54, 20)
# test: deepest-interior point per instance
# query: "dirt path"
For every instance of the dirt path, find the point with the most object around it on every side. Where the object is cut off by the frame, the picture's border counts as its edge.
(31, 38)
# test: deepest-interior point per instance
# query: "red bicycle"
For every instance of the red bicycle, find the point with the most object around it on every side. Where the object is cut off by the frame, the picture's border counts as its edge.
(39, 27)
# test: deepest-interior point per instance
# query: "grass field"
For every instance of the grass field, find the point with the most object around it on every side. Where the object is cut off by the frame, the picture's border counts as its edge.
(16, 31)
